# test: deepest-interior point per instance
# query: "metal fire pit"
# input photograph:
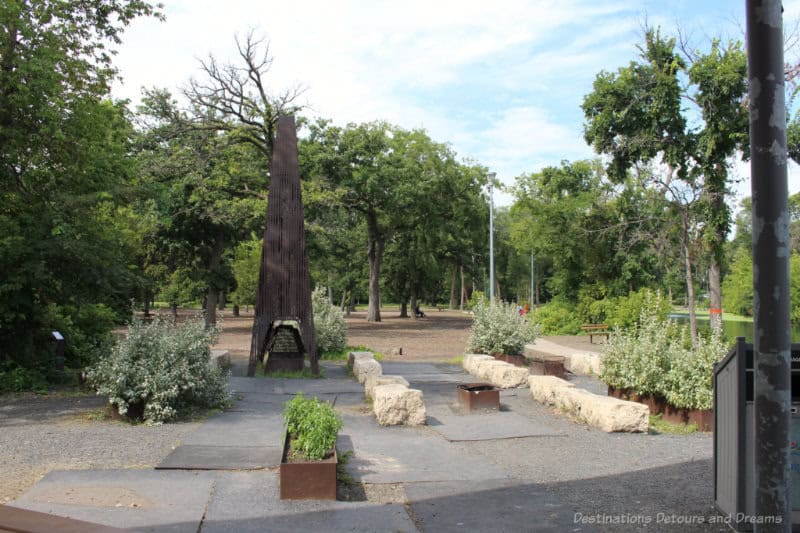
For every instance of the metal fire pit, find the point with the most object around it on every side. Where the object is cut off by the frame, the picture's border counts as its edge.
(549, 365)
(473, 396)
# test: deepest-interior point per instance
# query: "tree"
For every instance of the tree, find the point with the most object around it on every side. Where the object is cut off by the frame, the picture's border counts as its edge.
(63, 161)
(636, 116)
(207, 187)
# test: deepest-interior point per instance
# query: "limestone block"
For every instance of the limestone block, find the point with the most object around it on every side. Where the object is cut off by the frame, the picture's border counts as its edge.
(507, 376)
(470, 361)
(584, 363)
(366, 367)
(612, 414)
(544, 388)
(373, 381)
(398, 405)
(352, 356)
(604, 412)
(483, 367)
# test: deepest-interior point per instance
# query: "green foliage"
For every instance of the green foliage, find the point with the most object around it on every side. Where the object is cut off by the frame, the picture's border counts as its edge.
(342, 355)
(499, 328)
(329, 324)
(164, 366)
(737, 287)
(477, 298)
(656, 358)
(246, 265)
(626, 311)
(64, 157)
(18, 379)
(312, 424)
(86, 330)
(557, 318)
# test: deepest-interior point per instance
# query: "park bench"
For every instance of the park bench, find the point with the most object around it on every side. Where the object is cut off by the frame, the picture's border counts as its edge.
(595, 330)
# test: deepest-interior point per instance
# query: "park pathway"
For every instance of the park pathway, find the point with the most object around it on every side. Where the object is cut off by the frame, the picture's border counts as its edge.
(223, 476)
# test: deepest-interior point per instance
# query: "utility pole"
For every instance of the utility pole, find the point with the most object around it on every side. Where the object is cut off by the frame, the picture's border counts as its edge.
(771, 250)
(491, 237)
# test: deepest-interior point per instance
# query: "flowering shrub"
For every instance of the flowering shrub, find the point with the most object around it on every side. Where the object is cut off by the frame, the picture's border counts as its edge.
(312, 424)
(164, 367)
(329, 325)
(499, 328)
(655, 358)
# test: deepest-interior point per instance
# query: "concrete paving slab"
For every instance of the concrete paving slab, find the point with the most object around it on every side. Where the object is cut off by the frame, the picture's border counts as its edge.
(403, 369)
(234, 428)
(249, 501)
(405, 454)
(310, 387)
(458, 426)
(146, 500)
(488, 505)
(222, 458)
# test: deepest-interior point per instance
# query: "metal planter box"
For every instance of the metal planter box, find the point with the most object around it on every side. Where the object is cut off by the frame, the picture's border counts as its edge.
(307, 480)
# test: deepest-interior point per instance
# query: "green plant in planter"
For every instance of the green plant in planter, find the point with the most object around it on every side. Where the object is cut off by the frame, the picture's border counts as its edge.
(312, 425)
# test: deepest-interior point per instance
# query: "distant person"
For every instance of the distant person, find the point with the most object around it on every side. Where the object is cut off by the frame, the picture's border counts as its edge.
(418, 313)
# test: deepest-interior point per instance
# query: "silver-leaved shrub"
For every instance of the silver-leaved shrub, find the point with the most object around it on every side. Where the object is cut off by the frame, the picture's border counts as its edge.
(499, 328)
(655, 357)
(329, 324)
(164, 366)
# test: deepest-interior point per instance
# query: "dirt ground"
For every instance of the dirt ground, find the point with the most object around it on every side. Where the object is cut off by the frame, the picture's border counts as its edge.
(441, 335)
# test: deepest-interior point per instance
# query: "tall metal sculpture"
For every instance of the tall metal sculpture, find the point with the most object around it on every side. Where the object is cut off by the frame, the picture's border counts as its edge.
(284, 283)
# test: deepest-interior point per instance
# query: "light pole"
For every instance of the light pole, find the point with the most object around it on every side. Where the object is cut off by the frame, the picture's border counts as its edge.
(491, 176)
(531, 296)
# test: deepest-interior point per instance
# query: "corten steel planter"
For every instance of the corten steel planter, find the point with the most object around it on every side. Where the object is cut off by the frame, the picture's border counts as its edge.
(704, 418)
(472, 396)
(307, 480)
(518, 360)
(548, 365)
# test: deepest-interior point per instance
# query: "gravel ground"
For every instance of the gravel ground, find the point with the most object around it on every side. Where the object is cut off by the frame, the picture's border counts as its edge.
(43, 433)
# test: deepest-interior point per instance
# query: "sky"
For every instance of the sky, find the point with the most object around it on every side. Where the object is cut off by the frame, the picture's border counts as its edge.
(502, 82)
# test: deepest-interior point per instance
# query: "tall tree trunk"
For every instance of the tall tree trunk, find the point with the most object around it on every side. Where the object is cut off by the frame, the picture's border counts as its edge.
(146, 303)
(463, 289)
(214, 262)
(404, 308)
(414, 303)
(687, 254)
(344, 300)
(375, 255)
(453, 288)
(715, 296)
(351, 307)
(223, 300)
(211, 307)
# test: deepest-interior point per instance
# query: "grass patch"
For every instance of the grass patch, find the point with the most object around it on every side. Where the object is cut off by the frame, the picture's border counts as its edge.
(458, 360)
(341, 355)
(659, 426)
(286, 374)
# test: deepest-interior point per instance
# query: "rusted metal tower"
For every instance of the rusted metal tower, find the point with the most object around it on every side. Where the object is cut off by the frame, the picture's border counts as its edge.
(284, 283)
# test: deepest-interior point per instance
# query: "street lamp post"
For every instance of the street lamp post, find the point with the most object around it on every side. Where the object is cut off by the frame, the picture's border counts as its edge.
(491, 237)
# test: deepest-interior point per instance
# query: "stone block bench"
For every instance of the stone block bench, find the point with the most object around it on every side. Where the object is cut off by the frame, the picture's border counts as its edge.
(577, 362)
(498, 373)
(393, 402)
(603, 412)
